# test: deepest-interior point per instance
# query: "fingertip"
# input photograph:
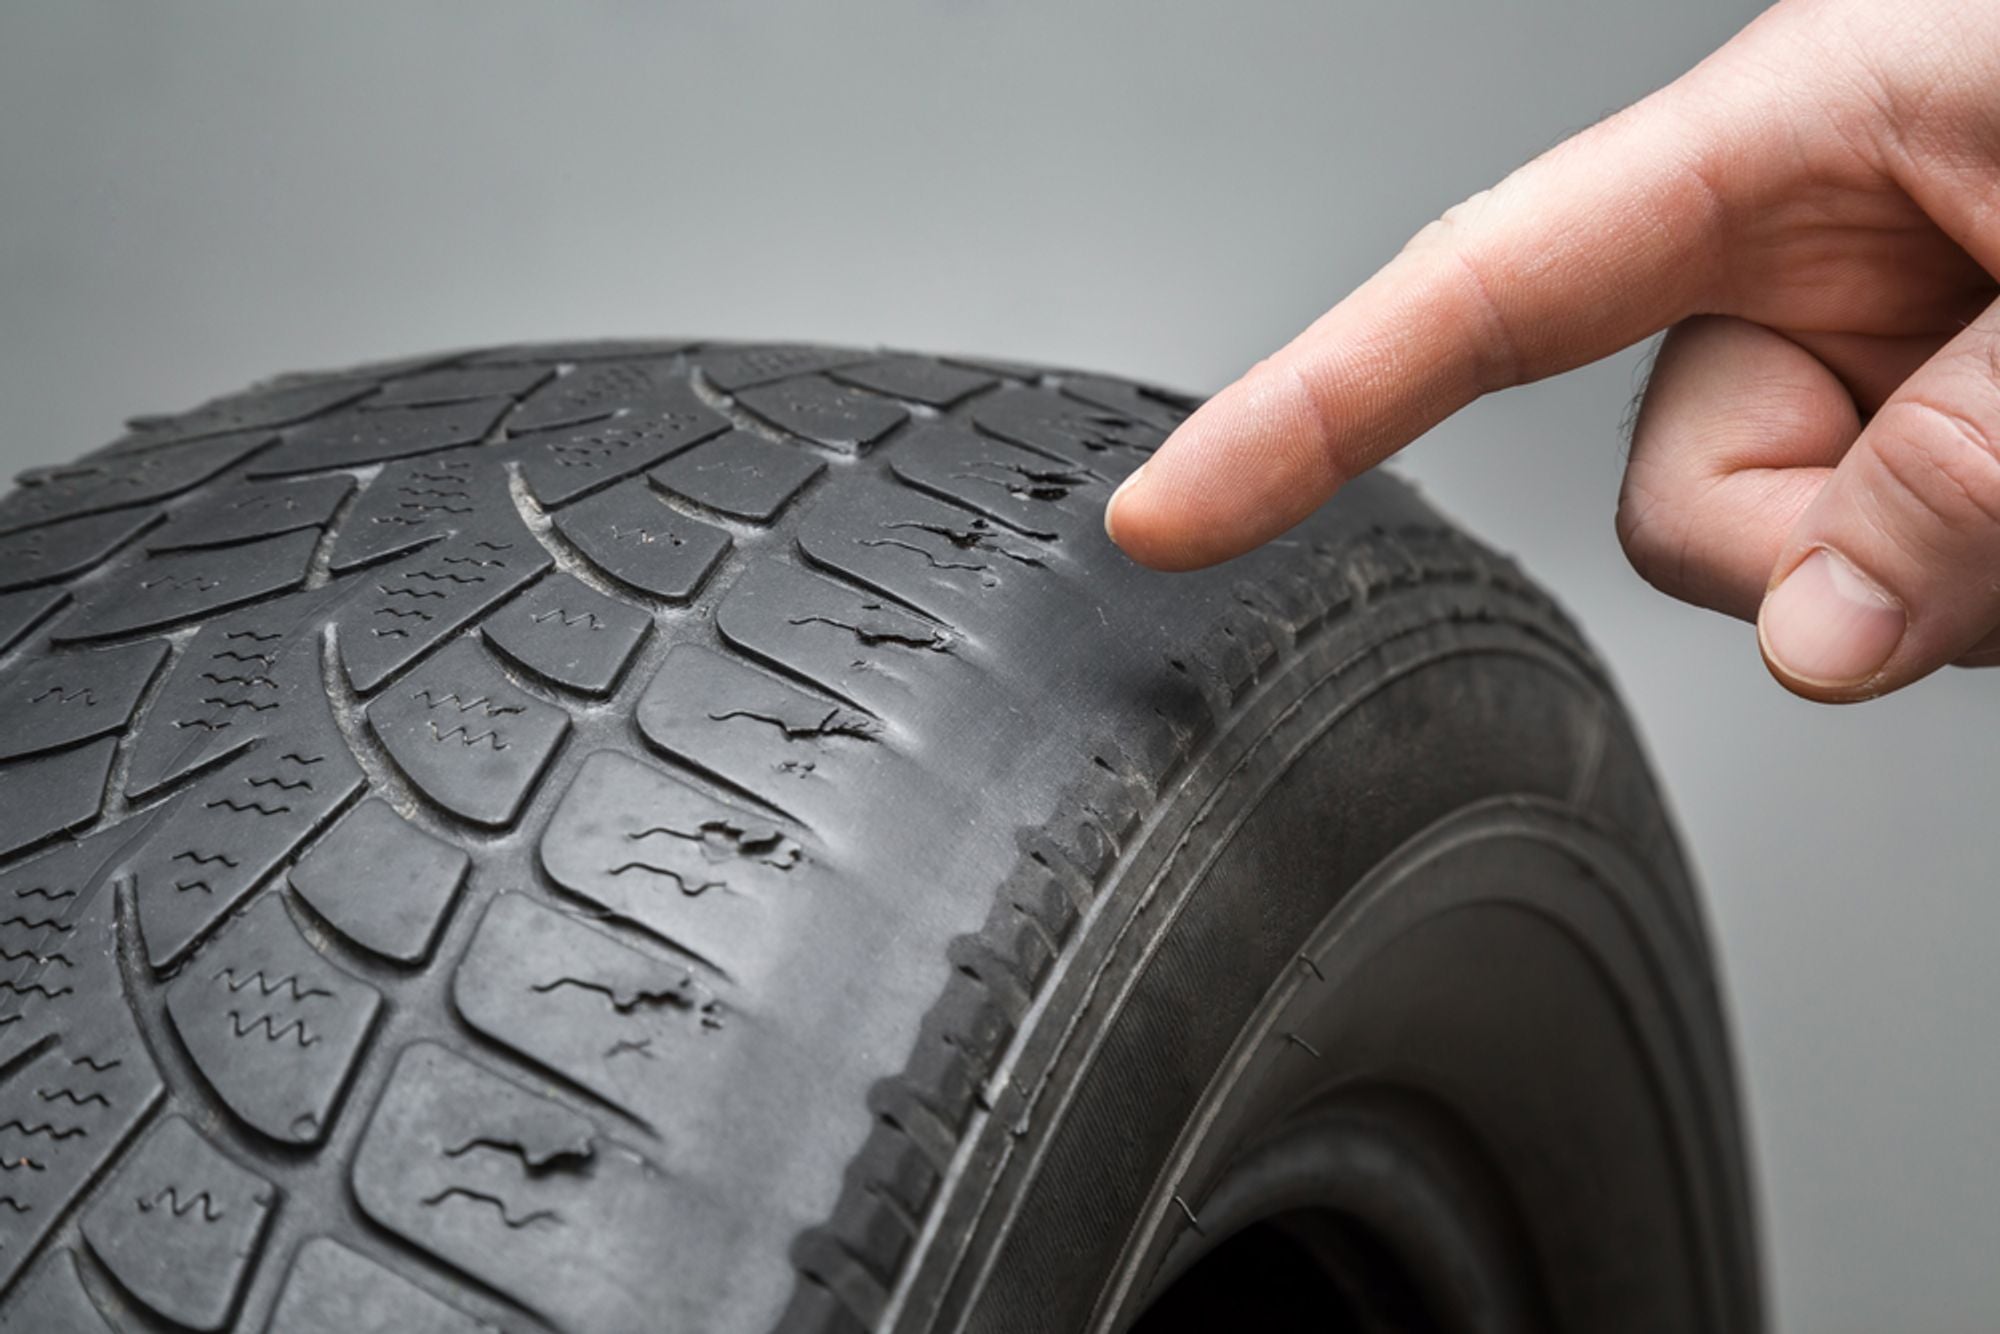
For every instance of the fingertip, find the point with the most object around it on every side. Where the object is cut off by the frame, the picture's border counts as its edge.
(1142, 523)
(1111, 505)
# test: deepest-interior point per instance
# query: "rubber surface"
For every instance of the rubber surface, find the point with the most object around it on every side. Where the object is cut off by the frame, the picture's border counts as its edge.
(561, 836)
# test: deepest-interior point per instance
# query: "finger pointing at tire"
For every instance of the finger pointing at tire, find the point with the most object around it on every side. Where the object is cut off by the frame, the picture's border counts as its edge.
(1822, 187)
(1590, 248)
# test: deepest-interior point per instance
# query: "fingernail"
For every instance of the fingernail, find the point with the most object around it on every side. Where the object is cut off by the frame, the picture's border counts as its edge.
(1827, 624)
(1111, 505)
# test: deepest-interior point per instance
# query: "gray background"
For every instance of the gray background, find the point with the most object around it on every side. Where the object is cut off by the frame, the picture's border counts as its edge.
(194, 199)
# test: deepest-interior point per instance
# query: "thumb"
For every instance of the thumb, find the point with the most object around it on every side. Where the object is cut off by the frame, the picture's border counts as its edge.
(1894, 569)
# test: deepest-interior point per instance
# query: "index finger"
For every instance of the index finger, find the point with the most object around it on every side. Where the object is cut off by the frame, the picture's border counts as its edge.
(1606, 239)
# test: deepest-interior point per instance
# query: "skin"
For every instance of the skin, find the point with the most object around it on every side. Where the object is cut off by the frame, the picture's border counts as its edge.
(1812, 214)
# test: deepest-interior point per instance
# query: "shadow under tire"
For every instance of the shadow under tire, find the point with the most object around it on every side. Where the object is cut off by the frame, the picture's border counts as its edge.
(668, 835)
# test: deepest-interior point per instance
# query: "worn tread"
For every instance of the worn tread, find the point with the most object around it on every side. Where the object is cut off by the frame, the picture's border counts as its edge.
(561, 836)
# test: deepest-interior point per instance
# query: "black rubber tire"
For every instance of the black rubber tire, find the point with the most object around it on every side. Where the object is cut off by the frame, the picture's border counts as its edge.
(656, 836)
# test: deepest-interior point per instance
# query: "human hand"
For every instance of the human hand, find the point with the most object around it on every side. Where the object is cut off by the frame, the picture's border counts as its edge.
(1813, 213)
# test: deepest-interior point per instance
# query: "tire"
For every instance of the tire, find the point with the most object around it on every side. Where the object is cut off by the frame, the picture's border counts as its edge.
(654, 836)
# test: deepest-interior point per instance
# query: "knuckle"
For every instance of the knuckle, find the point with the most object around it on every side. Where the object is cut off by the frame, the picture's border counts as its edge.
(1945, 460)
(1655, 535)
(1278, 392)
(1462, 258)
(1291, 380)
(1450, 228)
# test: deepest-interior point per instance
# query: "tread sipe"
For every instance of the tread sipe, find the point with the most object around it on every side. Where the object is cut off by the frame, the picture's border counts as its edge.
(567, 837)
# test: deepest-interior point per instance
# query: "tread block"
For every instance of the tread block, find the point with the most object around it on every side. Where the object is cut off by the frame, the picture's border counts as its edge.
(740, 474)
(58, 550)
(382, 882)
(466, 736)
(1066, 429)
(242, 676)
(918, 379)
(826, 414)
(258, 409)
(415, 501)
(1028, 492)
(459, 384)
(52, 1301)
(590, 349)
(595, 391)
(923, 551)
(68, 697)
(50, 793)
(718, 715)
(58, 1135)
(333, 1290)
(1158, 408)
(656, 852)
(864, 650)
(583, 460)
(734, 368)
(516, 1191)
(630, 534)
(87, 1081)
(253, 510)
(274, 1028)
(1000, 366)
(369, 373)
(163, 589)
(21, 612)
(567, 632)
(231, 830)
(350, 439)
(181, 1225)
(111, 482)
(404, 611)
(625, 1025)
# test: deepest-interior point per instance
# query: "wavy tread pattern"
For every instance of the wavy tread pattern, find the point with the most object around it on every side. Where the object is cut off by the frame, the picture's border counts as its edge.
(563, 835)
(181, 1226)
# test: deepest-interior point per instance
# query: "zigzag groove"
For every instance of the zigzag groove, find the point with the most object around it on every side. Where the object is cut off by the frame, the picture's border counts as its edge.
(586, 618)
(16, 956)
(272, 1030)
(43, 1128)
(230, 803)
(465, 736)
(446, 577)
(484, 703)
(69, 1096)
(179, 1208)
(14, 988)
(251, 679)
(37, 924)
(226, 704)
(235, 981)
